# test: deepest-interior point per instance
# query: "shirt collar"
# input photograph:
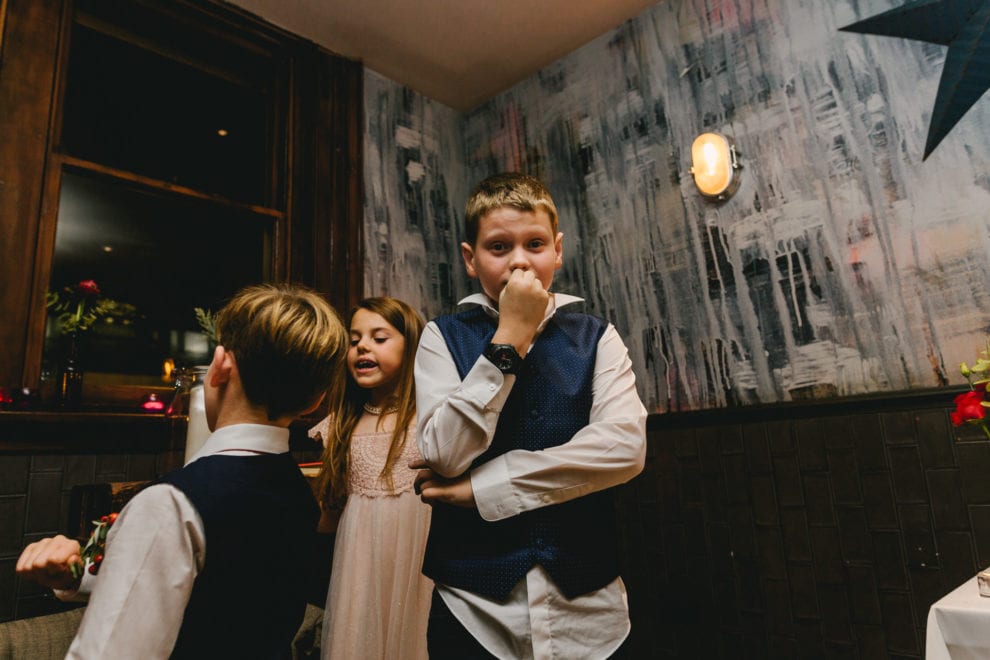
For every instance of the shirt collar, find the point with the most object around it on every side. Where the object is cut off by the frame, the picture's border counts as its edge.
(557, 300)
(259, 438)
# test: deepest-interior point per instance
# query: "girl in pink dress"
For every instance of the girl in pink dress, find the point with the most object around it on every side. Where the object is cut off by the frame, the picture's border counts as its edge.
(379, 601)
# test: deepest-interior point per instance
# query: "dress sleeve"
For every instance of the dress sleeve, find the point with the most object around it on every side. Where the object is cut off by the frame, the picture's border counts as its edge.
(321, 431)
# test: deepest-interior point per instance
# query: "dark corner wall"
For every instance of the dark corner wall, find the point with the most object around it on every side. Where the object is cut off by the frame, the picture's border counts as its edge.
(802, 531)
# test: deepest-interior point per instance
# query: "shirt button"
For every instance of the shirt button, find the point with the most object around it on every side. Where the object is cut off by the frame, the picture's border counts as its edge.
(491, 387)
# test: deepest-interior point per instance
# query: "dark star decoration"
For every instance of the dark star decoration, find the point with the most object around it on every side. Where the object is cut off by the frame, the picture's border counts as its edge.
(962, 26)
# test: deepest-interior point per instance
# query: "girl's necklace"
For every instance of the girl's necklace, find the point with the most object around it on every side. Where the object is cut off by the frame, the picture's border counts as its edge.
(375, 410)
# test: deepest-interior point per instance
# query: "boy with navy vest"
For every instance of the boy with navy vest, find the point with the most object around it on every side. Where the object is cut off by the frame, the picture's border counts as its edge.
(210, 561)
(528, 415)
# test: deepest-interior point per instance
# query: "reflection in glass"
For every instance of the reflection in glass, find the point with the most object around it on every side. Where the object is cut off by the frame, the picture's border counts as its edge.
(136, 110)
(165, 256)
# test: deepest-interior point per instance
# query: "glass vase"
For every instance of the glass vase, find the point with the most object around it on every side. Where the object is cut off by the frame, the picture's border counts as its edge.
(189, 402)
(69, 378)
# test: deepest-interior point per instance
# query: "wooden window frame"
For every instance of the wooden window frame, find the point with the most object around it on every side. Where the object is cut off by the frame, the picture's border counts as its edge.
(316, 187)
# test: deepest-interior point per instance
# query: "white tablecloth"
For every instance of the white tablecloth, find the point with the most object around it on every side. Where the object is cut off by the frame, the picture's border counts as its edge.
(959, 625)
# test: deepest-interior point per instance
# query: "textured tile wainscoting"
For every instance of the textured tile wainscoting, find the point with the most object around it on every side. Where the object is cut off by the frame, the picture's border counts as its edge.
(34, 501)
(820, 530)
(42, 458)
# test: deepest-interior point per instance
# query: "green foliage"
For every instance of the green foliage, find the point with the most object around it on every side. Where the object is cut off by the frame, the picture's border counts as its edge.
(208, 323)
(76, 309)
(978, 374)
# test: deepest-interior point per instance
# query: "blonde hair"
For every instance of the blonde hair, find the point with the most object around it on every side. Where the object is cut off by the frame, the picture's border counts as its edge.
(520, 191)
(288, 342)
(347, 401)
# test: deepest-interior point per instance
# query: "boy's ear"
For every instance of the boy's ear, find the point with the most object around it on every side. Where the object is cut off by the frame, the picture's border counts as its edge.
(467, 251)
(558, 247)
(222, 367)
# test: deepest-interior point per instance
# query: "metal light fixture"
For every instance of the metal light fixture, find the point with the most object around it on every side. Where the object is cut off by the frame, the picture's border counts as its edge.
(714, 165)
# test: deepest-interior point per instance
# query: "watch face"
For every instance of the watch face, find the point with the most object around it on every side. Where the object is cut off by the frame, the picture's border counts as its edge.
(504, 357)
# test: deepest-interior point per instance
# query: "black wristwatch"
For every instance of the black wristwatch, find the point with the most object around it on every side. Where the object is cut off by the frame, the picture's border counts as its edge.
(504, 357)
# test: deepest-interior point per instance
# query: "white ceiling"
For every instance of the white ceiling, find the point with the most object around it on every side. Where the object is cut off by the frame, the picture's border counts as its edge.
(458, 52)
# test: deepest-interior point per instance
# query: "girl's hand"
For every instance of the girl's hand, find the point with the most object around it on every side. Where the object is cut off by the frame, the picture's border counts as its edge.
(433, 488)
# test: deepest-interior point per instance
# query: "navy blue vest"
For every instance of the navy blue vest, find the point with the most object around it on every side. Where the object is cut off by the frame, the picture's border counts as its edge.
(549, 402)
(260, 519)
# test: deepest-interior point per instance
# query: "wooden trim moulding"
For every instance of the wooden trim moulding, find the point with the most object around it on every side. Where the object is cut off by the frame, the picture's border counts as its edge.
(852, 405)
(24, 432)
(82, 165)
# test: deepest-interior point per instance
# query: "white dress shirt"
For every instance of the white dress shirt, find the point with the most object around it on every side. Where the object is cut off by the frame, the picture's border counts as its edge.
(154, 551)
(457, 421)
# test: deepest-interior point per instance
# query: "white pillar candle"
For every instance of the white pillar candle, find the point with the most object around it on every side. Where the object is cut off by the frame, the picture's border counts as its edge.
(197, 430)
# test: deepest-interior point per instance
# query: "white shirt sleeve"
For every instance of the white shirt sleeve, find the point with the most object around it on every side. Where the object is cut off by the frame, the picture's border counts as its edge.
(609, 451)
(457, 419)
(154, 551)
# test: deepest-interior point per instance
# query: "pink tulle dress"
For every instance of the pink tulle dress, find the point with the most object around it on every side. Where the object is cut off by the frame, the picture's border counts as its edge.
(379, 601)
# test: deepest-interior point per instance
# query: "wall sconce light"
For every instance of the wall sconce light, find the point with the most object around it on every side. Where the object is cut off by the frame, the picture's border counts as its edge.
(714, 162)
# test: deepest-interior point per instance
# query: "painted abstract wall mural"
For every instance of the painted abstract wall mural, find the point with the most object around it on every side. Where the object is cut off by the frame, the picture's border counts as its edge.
(415, 187)
(843, 266)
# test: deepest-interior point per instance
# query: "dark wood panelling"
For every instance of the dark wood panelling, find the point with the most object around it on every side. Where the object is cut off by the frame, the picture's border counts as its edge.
(30, 44)
(327, 147)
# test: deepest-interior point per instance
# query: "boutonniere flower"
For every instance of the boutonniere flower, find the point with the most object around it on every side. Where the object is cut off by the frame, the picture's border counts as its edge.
(92, 553)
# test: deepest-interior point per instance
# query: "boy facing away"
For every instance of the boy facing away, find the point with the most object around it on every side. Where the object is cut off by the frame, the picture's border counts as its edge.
(528, 414)
(209, 562)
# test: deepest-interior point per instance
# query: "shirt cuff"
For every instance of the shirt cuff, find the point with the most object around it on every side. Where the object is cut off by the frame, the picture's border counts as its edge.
(488, 386)
(492, 489)
(81, 593)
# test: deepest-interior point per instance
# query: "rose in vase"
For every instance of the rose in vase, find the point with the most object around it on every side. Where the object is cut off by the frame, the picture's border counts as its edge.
(77, 308)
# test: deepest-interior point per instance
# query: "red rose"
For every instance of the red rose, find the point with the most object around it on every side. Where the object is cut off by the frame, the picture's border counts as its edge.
(88, 288)
(968, 408)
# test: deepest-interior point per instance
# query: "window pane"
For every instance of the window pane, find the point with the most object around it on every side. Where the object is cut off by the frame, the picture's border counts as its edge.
(136, 110)
(164, 255)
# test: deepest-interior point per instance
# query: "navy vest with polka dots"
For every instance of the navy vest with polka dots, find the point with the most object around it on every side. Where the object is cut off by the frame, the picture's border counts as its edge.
(549, 403)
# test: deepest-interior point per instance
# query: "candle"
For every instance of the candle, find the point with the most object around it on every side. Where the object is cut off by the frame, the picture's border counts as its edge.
(197, 430)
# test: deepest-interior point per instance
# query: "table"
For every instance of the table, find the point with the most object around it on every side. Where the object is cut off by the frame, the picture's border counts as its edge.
(959, 625)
